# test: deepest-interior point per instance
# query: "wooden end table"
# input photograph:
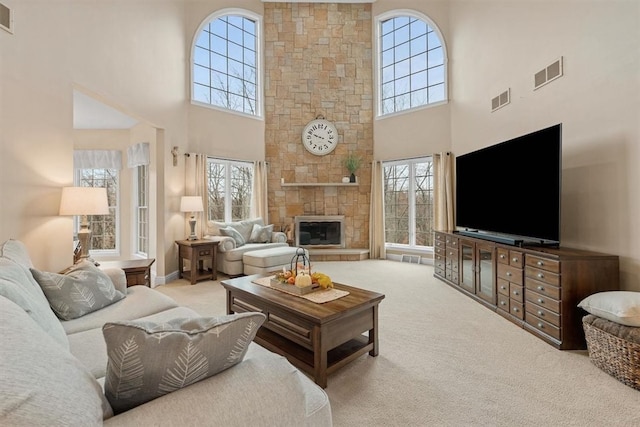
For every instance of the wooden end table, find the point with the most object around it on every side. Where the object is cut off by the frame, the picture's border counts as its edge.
(316, 338)
(197, 251)
(138, 271)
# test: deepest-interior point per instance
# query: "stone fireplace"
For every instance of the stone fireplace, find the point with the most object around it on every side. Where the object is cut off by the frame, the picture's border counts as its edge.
(319, 231)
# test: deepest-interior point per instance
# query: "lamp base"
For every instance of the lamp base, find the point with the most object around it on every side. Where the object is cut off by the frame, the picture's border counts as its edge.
(192, 224)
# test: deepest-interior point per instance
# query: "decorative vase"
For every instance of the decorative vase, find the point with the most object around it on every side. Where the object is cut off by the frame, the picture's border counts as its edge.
(345, 179)
(352, 178)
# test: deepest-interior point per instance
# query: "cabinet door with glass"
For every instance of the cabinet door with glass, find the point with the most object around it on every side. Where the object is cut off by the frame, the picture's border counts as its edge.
(485, 284)
(467, 265)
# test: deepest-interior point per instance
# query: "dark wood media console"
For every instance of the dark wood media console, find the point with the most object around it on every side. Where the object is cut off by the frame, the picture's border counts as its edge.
(537, 288)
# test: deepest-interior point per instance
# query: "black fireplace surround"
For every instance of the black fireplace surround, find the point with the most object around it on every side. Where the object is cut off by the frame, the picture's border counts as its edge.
(322, 231)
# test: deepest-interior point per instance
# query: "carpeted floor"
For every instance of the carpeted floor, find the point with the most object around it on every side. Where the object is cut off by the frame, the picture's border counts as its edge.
(445, 360)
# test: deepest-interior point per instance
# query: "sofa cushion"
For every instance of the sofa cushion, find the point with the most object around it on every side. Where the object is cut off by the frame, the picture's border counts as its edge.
(244, 227)
(149, 359)
(16, 251)
(83, 289)
(90, 348)
(18, 285)
(261, 234)
(140, 301)
(42, 383)
(234, 234)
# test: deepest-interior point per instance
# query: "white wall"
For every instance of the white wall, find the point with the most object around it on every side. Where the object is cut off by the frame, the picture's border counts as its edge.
(498, 45)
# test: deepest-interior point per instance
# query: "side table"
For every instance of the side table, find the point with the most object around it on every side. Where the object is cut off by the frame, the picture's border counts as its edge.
(138, 271)
(197, 251)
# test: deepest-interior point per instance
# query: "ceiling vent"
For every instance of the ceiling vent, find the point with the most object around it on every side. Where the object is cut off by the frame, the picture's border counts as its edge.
(501, 100)
(6, 19)
(548, 74)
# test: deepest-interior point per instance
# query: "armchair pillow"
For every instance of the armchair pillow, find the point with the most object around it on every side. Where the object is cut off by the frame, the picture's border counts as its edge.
(82, 290)
(261, 234)
(234, 234)
(147, 360)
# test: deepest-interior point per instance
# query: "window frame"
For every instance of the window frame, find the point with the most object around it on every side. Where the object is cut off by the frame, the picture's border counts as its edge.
(259, 61)
(396, 13)
(137, 208)
(412, 202)
(116, 209)
(228, 205)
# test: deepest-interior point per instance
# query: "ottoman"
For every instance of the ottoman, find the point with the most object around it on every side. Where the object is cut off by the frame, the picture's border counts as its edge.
(265, 261)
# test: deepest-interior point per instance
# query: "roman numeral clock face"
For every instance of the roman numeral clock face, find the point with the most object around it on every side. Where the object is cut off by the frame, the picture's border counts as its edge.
(320, 137)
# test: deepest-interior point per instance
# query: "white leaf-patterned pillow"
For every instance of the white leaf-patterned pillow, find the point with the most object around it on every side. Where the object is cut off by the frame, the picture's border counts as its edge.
(83, 289)
(147, 360)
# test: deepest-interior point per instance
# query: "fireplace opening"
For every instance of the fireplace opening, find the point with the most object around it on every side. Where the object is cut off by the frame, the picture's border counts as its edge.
(325, 231)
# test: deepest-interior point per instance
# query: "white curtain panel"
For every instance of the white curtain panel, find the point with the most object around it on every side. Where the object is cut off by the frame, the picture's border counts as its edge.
(196, 185)
(443, 191)
(97, 159)
(138, 155)
(376, 221)
(259, 200)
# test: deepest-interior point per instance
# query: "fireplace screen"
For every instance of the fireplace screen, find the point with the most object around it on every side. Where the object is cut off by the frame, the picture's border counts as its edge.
(326, 231)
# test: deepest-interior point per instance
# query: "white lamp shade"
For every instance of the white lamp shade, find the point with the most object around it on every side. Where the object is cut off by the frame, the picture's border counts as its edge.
(84, 201)
(191, 204)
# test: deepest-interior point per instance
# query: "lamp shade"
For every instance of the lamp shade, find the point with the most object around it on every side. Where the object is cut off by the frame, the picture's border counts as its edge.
(191, 204)
(84, 201)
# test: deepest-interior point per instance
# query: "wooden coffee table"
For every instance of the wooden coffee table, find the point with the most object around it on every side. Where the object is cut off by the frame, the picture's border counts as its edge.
(316, 338)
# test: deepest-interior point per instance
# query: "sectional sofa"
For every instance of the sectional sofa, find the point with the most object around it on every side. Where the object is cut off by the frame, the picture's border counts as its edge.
(54, 372)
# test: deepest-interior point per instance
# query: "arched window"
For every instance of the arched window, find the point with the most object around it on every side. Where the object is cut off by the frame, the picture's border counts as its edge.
(226, 65)
(411, 56)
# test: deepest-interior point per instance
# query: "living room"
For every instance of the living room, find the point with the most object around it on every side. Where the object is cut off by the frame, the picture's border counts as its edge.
(135, 57)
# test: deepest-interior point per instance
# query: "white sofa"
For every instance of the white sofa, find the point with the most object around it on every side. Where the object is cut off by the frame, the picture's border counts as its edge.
(230, 250)
(53, 371)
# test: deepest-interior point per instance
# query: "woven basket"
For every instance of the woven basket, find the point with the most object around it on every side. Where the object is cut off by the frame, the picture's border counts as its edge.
(614, 355)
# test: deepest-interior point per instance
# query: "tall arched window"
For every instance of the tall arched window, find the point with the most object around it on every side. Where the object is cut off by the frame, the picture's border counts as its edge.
(412, 62)
(226, 65)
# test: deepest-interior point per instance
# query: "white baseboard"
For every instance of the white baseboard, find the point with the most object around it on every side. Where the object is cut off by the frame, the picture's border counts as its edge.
(163, 280)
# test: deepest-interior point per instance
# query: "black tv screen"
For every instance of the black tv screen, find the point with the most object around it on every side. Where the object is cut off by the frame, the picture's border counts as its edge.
(512, 188)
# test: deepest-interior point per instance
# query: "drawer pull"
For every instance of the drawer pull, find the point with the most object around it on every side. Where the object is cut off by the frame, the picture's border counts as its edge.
(540, 313)
(514, 259)
(540, 300)
(541, 288)
(502, 256)
(503, 303)
(541, 276)
(516, 309)
(516, 293)
(540, 263)
(451, 253)
(540, 325)
(508, 273)
(503, 287)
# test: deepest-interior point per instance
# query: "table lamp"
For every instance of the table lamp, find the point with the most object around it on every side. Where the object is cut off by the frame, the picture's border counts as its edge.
(84, 201)
(191, 204)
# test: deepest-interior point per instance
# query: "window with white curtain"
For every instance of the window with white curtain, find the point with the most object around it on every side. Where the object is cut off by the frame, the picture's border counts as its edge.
(408, 203)
(411, 59)
(229, 186)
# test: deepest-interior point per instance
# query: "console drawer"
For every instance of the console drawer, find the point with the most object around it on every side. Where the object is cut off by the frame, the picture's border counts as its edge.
(503, 287)
(512, 274)
(439, 261)
(543, 288)
(503, 302)
(516, 309)
(544, 314)
(543, 301)
(542, 275)
(542, 263)
(542, 325)
(516, 292)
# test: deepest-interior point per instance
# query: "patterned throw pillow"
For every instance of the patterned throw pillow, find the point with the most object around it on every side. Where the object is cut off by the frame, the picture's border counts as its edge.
(148, 359)
(261, 234)
(82, 290)
(233, 233)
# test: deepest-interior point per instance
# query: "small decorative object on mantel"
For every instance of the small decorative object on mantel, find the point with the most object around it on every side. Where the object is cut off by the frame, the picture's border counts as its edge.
(352, 163)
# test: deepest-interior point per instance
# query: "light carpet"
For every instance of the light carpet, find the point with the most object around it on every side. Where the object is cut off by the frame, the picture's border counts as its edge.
(445, 360)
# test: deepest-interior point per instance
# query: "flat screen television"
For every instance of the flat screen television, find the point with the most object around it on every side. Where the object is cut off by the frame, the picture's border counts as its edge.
(510, 192)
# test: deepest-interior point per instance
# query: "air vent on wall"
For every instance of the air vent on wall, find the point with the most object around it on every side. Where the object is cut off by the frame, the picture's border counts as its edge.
(501, 100)
(411, 259)
(548, 74)
(6, 20)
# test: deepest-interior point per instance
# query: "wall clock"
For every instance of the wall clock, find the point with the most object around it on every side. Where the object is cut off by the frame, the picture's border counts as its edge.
(320, 136)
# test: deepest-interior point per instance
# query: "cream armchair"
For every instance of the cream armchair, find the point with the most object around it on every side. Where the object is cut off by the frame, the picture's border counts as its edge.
(236, 238)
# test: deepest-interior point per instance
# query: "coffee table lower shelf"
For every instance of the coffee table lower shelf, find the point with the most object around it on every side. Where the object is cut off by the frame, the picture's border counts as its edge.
(303, 358)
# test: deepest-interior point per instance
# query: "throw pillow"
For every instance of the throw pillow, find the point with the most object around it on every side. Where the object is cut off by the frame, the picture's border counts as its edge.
(82, 290)
(618, 306)
(234, 234)
(261, 234)
(148, 359)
